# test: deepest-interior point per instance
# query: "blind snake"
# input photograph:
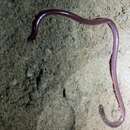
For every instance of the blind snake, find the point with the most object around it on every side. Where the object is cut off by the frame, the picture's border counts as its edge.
(113, 59)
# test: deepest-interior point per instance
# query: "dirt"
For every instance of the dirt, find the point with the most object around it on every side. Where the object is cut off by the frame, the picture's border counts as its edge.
(58, 81)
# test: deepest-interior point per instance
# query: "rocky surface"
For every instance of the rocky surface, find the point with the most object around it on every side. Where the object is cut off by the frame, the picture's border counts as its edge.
(58, 81)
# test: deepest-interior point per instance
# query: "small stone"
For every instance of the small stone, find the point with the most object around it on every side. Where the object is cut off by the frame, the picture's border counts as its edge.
(14, 82)
(29, 74)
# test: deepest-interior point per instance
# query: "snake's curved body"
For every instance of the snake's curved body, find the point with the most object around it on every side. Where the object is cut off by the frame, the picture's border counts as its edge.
(113, 59)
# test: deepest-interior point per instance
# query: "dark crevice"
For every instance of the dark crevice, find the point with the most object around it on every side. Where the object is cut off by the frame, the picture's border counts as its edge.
(38, 78)
(64, 93)
(74, 119)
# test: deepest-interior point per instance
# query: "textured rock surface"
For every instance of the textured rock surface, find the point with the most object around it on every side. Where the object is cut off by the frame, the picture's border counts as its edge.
(58, 81)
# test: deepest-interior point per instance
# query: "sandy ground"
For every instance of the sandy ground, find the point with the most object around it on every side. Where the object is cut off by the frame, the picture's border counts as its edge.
(58, 81)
